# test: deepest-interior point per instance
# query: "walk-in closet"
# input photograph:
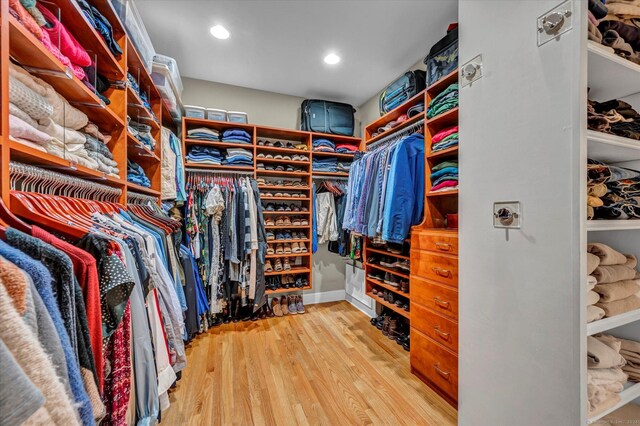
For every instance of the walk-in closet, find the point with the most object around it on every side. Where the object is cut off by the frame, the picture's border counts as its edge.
(319, 213)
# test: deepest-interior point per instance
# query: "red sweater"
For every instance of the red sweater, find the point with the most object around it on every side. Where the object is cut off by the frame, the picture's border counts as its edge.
(86, 272)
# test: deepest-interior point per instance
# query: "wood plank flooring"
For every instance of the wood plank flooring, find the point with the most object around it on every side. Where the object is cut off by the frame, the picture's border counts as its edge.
(328, 366)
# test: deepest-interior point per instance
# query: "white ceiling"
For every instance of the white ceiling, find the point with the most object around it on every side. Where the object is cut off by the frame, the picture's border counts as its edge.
(279, 46)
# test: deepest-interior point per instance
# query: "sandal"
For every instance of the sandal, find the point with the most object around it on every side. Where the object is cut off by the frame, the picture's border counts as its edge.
(279, 221)
(270, 249)
(295, 248)
(269, 222)
(278, 265)
(303, 248)
(287, 248)
(286, 266)
(279, 249)
(267, 266)
(287, 221)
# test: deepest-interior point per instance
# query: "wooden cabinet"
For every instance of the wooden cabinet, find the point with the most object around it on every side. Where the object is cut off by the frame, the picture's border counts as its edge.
(435, 364)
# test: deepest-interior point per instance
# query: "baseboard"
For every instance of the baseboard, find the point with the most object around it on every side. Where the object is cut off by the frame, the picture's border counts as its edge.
(323, 297)
(370, 312)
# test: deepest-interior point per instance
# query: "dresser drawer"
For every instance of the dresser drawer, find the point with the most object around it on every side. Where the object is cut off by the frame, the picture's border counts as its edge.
(435, 363)
(438, 298)
(442, 269)
(437, 241)
(437, 327)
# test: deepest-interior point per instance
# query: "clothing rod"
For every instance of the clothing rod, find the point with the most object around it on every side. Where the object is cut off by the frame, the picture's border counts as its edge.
(397, 134)
(219, 172)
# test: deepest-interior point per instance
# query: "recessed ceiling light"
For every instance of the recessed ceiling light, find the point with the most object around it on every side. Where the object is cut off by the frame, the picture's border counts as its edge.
(332, 59)
(220, 32)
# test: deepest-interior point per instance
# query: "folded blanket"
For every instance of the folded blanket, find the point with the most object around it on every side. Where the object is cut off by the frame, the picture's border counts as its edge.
(613, 273)
(22, 130)
(606, 375)
(600, 399)
(618, 307)
(592, 298)
(594, 313)
(600, 355)
(618, 290)
(591, 282)
(72, 139)
(446, 185)
(592, 263)
(28, 101)
(609, 340)
(630, 345)
(632, 358)
(633, 371)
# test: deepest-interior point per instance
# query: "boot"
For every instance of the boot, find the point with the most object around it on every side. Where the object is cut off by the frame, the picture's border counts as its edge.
(235, 305)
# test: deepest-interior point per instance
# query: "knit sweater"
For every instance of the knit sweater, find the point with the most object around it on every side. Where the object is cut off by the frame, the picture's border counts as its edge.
(29, 354)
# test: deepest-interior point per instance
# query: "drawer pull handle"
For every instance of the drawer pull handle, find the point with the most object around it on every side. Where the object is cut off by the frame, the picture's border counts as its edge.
(442, 272)
(441, 303)
(443, 246)
(441, 333)
(440, 372)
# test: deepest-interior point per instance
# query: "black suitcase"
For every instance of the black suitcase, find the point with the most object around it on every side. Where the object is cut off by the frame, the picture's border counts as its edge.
(443, 57)
(327, 117)
(401, 90)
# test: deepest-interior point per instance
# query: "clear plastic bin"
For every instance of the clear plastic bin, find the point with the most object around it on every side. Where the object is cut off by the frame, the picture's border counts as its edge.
(216, 114)
(162, 78)
(171, 71)
(137, 32)
(194, 111)
(237, 117)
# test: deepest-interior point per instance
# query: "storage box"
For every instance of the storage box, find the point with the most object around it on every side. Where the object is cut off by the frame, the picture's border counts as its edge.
(194, 111)
(237, 117)
(162, 79)
(168, 67)
(442, 58)
(216, 114)
(130, 17)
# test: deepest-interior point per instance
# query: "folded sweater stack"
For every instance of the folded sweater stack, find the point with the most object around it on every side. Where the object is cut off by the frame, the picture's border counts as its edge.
(142, 132)
(605, 378)
(238, 157)
(136, 174)
(204, 155)
(236, 136)
(445, 138)
(622, 197)
(323, 145)
(327, 164)
(445, 101)
(346, 148)
(444, 176)
(618, 282)
(203, 134)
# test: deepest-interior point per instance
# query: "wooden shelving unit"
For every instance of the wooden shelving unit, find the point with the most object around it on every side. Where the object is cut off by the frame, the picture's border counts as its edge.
(111, 117)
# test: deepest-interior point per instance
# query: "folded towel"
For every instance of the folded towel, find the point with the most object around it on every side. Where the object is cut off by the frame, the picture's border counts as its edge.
(607, 255)
(600, 399)
(601, 355)
(632, 358)
(630, 345)
(613, 273)
(591, 282)
(618, 307)
(594, 313)
(592, 263)
(592, 298)
(609, 375)
(609, 340)
(618, 290)
(633, 372)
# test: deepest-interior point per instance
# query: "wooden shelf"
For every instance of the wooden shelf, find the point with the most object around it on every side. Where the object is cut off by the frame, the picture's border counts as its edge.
(275, 256)
(627, 396)
(613, 322)
(286, 135)
(389, 305)
(137, 111)
(280, 213)
(443, 193)
(332, 155)
(609, 75)
(387, 253)
(330, 174)
(29, 52)
(220, 167)
(441, 121)
(394, 114)
(292, 151)
(291, 271)
(216, 144)
(443, 83)
(75, 21)
(397, 129)
(611, 148)
(28, 155)
(287, 226)
(613, 225)
(449, 152)
(389, 270)
(143, 190)
(353, 140)
(136, 68)
(284, 188)
(137, 149)
(287, 290)
(283, 161)
(301, 173)
(389, 287)
(190, 123)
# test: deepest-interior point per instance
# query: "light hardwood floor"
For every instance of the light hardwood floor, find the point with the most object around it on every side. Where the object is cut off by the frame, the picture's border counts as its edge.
(326, 367)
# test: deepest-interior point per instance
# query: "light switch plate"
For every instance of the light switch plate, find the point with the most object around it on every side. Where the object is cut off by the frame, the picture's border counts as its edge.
(507, 214)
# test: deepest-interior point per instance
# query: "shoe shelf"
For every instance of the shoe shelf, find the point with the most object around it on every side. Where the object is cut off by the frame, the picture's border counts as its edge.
(333, 155)
(387, 253)
(291, 271)
(391, 306)
(283, 161)
(275, 256)
(287, 290)
(284, 173)
(286, 226)
(389, 270)
(389, 287)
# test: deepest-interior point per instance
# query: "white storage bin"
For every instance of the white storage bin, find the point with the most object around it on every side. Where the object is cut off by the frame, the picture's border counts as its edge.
(237, 117)
(164, 82)
(194, 111)
(216, 114)
(130, 17)
(169, 68)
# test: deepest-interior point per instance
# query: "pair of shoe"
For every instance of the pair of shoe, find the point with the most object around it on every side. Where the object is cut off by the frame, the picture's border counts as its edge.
(279, 265)
(280, 248)
(392, 280)
(287, 305)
